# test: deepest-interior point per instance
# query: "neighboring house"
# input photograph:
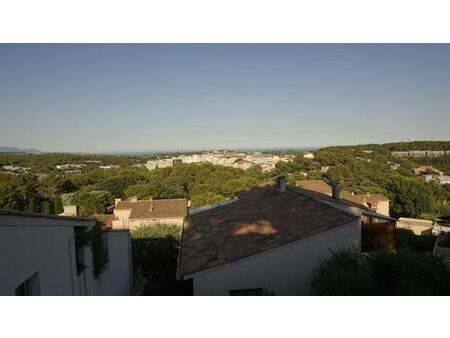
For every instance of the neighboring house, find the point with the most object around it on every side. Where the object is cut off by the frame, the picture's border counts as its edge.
(134, 213)
(441, 226)
(39, 256)
(375, 202)
(269, 240)
(418, 226)
(426, 168)
(440, 179)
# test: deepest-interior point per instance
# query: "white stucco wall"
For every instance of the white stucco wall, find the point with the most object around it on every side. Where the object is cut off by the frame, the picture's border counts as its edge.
(116, 279)
(285, 271)
(119, 266)
(25, 250)
(47, 246)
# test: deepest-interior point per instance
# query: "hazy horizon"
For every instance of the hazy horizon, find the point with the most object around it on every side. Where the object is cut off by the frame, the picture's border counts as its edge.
(126, 98)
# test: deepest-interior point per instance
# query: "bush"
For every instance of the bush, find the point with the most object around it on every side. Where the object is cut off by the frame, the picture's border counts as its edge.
(343, 274)
(405, 238)
(381, 273)
(155, 250)
(445, 240)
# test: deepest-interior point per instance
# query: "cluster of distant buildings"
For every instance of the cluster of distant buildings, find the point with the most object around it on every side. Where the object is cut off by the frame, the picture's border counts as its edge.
(419, 153)
(75, 168)
(242, 160)
(428, 173)
(15, 169)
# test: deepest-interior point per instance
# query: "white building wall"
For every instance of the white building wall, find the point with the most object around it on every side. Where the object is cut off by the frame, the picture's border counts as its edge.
(284, 271)
(47, 246)
(25, 250)
(119, 267)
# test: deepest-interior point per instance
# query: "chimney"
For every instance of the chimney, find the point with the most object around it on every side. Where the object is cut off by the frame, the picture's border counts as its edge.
(281, 183)
(336, 190)
(72, 210)
(134, 199)
(116, 201)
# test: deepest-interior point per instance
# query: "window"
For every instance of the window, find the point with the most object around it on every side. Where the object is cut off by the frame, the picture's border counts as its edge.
(30, 287)
(247, 292)
(79, 255)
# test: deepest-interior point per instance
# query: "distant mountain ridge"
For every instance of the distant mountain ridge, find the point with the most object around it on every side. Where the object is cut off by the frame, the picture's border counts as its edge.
(18, 150)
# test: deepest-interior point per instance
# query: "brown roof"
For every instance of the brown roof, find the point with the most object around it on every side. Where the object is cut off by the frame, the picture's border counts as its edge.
(363, 199)
(253, 225)
(168, 208)
(262, 190)
(324, 188)
(315, 185)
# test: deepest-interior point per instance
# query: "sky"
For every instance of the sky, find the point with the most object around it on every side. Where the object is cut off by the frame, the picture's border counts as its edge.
(175, 97)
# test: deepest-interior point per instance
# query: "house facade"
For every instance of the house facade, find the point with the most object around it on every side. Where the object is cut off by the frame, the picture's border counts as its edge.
(39, 255)
(267, 241)
(135, 213)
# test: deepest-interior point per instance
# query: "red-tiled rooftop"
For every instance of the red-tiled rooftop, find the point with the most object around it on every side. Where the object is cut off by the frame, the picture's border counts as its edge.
(315, 185)
(166, 208)
(252, 225)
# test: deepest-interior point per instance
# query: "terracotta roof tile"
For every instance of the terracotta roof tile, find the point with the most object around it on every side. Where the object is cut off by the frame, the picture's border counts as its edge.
(315, 185)
(167, 208)
(252, 225)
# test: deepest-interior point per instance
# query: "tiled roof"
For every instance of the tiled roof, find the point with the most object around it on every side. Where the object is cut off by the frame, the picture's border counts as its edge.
(167, 208)
(315, 185)
(324, 188)
(372, 199)
(253, 225)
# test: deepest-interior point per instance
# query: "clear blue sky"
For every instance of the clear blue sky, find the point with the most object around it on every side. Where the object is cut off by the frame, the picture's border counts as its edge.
(93, 98)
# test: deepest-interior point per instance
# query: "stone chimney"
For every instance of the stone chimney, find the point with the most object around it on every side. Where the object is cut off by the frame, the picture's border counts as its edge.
(116, 201)
(72, 210)
(336, 189)
(281, 184)
(134, 199)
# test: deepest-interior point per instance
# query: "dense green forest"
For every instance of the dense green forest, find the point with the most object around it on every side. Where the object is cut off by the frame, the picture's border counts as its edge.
(361, 168)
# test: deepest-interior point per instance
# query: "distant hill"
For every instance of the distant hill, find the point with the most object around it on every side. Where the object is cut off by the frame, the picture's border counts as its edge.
(18, 150)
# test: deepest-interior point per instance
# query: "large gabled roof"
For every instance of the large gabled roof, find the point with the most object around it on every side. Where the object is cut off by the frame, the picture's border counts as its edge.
(254, 224)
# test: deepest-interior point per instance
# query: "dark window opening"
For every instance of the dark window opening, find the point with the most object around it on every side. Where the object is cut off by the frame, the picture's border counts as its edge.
(79, 255)
(247, 292)
(30, 287)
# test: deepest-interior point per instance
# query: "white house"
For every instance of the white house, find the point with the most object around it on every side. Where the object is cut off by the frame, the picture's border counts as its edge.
(266, 242)
(39, 256)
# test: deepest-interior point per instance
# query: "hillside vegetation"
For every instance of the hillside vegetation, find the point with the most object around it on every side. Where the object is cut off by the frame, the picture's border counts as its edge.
(361, 168)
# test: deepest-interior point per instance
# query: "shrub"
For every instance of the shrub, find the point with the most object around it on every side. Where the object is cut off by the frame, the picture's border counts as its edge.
(155, 250)
(405, 238)
(404, 272)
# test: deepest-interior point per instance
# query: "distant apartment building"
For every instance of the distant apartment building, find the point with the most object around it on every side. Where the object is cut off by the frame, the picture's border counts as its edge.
(419, 153)
(109, 166)
(440, 179)
(308, 155)
(70, 166)
(41, 255)
(269, 240)
(134, 213)
(160, 163)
